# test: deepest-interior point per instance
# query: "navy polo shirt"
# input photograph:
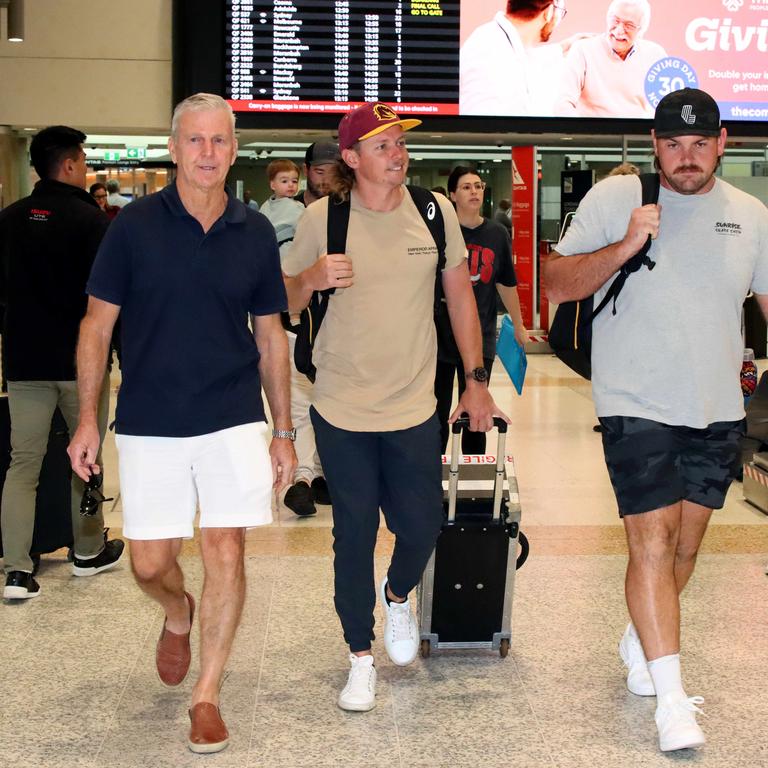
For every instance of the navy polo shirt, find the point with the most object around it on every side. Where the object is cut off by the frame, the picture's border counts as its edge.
(189, 359)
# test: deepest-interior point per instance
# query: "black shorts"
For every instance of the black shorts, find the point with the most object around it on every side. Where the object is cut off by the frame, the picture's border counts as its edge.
(654, 465)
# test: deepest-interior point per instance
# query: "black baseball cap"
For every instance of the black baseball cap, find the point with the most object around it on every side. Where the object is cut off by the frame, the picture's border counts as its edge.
(322, 152)
(687, 112)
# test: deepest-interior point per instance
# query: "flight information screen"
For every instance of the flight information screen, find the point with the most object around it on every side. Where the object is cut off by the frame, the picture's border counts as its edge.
(317, 56)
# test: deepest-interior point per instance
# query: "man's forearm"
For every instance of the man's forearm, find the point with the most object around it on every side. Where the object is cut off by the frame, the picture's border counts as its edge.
(465, 323)
(299, 291)
(92, 351)
(570, 278)
(274, 370)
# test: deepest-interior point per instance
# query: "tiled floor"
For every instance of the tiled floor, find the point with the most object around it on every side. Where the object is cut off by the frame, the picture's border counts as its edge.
(78, 688)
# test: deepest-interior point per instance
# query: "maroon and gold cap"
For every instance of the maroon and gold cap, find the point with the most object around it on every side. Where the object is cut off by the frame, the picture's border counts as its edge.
(368, 120)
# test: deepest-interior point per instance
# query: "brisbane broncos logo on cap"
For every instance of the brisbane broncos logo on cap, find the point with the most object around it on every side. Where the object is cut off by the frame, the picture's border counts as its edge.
(384, 113)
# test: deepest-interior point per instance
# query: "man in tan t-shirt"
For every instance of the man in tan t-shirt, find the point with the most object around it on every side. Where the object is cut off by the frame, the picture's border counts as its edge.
(374, 406)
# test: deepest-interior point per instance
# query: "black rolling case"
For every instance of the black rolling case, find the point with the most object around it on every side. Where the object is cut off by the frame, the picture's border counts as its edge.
(465, 594)
(53, 517)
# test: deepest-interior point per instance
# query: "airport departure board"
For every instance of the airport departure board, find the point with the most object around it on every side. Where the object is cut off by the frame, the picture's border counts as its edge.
(328, 55)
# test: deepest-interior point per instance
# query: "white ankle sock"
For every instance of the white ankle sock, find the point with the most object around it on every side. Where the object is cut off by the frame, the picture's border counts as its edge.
(665, 673)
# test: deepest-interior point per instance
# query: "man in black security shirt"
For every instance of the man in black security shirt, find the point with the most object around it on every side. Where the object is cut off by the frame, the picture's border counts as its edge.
(47, 244)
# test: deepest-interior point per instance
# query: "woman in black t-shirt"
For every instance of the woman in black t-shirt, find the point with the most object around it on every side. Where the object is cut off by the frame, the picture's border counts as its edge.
(491, 269)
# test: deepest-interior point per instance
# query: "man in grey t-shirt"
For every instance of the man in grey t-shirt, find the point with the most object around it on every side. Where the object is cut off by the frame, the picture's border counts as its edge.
(665, 372)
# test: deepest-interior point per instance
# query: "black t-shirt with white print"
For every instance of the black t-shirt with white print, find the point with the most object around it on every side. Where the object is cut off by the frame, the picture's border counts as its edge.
(489, 257)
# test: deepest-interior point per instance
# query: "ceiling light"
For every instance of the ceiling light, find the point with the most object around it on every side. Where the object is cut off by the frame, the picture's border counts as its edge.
(15, 21)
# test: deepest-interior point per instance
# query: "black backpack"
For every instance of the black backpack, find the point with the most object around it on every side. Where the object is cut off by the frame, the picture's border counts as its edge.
(338, 223)
(571, 333)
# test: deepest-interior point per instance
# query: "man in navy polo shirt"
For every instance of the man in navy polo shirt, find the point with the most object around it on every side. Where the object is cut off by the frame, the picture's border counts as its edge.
(185, 268)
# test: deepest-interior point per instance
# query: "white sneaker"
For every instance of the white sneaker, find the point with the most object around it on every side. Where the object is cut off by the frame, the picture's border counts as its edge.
(401, 631)
(676, 721)
(359, 694)
(639, 679)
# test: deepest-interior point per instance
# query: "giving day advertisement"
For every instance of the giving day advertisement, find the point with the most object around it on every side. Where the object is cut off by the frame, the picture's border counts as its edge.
(596, 58)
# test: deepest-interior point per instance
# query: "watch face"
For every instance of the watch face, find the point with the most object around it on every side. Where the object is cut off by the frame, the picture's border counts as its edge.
(479, 374)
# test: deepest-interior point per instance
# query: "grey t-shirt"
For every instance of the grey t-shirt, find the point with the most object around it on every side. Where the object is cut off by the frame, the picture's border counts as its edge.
(673, 350)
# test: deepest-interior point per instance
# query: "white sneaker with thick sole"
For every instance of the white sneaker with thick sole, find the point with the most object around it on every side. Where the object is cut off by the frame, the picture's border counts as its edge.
(401, 630)
(639, 679)
(359, 694)
(676, 721)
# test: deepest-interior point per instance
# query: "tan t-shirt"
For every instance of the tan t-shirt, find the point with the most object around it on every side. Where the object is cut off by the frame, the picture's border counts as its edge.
(375, 352)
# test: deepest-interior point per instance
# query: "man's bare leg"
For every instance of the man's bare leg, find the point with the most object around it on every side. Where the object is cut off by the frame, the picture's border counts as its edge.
(650, 586)
(156, 570)
(661, 560)
(647, 583)
(220, 606)
(693, 526)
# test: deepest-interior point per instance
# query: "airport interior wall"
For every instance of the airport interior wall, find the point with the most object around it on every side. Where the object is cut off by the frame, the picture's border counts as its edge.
(106, 65)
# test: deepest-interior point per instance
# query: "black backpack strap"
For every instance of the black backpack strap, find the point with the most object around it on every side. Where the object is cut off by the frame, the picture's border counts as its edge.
(336, 228)
(649, 185)
(430, 211)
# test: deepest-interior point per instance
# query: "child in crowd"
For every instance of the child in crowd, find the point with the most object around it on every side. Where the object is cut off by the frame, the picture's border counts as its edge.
(281, 209)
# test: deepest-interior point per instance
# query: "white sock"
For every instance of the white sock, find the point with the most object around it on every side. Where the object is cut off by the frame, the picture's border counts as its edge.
(665, 673)
(631, 633)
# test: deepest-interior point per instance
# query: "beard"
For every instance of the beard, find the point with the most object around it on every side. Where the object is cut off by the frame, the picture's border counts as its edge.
(319, 190)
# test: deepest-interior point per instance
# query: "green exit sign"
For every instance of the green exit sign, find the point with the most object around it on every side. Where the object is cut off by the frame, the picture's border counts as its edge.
(136, 153)
(112, 155)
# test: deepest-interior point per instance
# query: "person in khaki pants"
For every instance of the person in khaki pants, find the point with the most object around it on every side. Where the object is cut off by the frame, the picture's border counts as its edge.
(47, 245)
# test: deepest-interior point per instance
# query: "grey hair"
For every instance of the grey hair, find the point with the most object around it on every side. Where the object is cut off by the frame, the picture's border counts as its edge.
(113, 186)
(199, 102)
(643, 5)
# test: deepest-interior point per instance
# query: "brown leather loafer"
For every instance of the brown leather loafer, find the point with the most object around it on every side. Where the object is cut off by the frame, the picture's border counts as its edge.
(208, 732)
(173, 654)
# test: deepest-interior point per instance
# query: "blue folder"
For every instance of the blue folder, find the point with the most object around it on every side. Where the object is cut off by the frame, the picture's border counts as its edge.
(512, 354)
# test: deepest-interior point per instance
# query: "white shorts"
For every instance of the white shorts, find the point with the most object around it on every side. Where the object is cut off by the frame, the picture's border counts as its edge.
(162, 479)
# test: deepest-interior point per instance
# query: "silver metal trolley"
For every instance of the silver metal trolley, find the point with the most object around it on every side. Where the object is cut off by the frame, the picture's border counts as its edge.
(465, 594)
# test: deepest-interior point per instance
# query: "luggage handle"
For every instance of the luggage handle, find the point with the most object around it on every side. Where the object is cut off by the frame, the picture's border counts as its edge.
(463, 423)
(453, 473)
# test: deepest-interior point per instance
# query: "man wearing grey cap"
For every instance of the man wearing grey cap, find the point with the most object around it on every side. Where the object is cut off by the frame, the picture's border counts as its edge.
(319, 162)
(665, 372)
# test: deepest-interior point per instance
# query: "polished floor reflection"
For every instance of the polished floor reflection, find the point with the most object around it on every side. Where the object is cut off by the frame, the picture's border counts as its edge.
(79, 689)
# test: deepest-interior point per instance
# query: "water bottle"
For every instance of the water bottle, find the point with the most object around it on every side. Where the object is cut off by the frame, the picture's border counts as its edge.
(748, 375)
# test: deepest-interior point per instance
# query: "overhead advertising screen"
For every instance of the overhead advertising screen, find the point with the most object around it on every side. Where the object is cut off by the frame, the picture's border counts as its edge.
(614, 59)
(569, 58)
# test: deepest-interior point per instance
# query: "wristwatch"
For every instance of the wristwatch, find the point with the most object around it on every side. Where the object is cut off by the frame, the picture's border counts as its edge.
(286, 434)
(477, 374)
